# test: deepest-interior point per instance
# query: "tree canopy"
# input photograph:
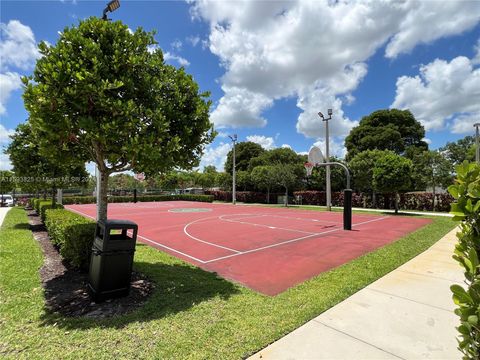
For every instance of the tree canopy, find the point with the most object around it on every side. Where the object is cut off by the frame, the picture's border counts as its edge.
(392, 129)
(244, 152)
(101, 94)
(459, 151)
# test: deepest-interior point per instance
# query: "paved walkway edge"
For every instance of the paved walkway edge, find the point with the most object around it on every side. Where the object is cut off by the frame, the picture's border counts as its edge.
(407, 314)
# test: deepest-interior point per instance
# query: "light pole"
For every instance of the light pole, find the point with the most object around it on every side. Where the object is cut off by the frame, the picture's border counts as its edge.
(477, 143)
(234, 171)
(111, 7)
(327, 158)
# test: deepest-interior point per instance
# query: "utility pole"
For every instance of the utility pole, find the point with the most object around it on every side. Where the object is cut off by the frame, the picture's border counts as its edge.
(234, 170)
(477, 143)
(327, 158)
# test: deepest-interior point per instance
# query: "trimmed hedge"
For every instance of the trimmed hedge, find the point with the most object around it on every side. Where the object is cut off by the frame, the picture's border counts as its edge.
(41, 206)
(72, 234)
(408, 201)
(141, 198)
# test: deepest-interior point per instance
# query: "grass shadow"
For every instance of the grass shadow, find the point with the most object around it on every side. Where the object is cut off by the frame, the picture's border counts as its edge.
(178, 287)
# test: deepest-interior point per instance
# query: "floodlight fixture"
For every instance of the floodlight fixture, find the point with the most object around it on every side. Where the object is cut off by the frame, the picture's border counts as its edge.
(320, 114)
(330, 112)
(111, 7)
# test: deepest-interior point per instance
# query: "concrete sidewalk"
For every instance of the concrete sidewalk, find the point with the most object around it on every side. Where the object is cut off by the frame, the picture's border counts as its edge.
(3, 213)
(407, 314)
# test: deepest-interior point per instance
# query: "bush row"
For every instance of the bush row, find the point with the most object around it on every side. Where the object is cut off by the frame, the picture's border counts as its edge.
(141, 198)
(41, 206)
(72, 234)
(408, 201)
(244, 196)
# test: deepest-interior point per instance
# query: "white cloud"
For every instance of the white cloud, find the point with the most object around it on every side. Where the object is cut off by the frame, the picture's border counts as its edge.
(476, 58)
(5, 134)
(169, 57)
(272, 50)
(443, 94)
(215, 156)
(194, 40)
(266, 142)
(286, 146)
(176, 45)
(240, 108)
(426, 21)
(5, 163)
(17, 46)
(9, 82)
(427, 140)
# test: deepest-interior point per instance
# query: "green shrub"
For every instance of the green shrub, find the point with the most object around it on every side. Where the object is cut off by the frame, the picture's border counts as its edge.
(466, 209)
(141, 198)
(46, 205)
(73, 234)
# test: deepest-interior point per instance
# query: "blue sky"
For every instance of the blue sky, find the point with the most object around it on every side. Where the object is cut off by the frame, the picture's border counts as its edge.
(271, 66)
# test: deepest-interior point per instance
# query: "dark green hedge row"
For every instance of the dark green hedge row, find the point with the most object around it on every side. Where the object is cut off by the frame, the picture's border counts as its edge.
(72, 234)
(141, 198)
(41, 206)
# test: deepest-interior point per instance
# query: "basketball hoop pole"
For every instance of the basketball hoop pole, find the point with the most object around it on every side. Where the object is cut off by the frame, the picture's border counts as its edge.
(347, 196)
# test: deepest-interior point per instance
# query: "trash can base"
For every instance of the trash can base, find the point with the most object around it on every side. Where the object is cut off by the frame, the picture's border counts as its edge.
(101, 296)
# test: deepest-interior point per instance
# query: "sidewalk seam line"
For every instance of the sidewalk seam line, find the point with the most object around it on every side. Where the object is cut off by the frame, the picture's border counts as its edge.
(431, 276)
(405, 298)
(354, 337)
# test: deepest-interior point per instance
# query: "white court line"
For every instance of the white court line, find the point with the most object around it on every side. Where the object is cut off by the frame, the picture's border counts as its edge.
(262, 225)
(203, 241)
(303, 219)
(289, 241)
(149, 240)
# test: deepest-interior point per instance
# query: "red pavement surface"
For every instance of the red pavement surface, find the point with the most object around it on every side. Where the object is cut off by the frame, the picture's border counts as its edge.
(266, 249)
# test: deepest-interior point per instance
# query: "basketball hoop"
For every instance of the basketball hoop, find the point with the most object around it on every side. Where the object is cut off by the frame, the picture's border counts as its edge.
(309, 167)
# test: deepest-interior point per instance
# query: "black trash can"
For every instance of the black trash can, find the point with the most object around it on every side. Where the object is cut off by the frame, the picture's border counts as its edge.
(112, 259)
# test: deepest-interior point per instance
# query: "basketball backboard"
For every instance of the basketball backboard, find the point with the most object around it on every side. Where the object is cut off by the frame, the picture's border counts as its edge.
(315, 155)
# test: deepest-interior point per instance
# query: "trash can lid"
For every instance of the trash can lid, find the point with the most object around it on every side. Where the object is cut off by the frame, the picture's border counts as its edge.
(114, 222)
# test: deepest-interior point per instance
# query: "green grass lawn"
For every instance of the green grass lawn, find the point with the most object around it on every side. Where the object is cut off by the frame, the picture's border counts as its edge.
(192, 314)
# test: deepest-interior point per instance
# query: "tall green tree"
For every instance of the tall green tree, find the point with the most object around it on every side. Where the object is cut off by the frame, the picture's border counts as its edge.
(244, 152)
(392, 129)
(392, 173)
(432, 169)
(285, 175)
(459, 151)
(362, 166)
(36, 171)
(278, 155)
(263, 178)
(102, 95)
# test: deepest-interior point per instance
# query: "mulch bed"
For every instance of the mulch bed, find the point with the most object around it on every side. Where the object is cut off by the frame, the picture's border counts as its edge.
(66, 288)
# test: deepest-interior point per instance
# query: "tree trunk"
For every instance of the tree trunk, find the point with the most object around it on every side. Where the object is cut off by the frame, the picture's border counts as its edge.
(374, 199)
(286, 197)
(433, 193)
(396, 203)
(54, 197)
(268, 195)
(103, 191)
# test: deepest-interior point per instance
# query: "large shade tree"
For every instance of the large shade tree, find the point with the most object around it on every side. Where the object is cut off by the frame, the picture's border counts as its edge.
(35, 171)
(392, 173)
(105, 94)
(392, 129)
(244, 152)
(459, 151)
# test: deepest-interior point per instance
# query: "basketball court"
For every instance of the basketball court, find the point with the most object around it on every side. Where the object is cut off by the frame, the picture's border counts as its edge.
(266, 249)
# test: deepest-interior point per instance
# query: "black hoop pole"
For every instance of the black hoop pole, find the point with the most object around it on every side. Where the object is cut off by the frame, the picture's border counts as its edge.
(134, 195)
(347, 209)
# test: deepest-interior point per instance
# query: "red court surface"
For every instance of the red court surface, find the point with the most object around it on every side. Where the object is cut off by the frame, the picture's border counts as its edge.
(266, 249)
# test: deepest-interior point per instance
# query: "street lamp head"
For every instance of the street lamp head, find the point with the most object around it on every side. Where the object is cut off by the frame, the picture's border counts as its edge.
(111, 7)
(330, 112)
(476, 125)
(320, 114)
(233, 137)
